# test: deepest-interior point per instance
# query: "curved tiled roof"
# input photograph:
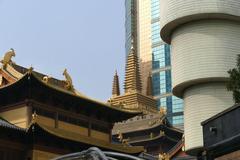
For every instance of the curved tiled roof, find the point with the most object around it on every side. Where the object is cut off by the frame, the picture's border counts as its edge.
(6, 124)
(58, 85)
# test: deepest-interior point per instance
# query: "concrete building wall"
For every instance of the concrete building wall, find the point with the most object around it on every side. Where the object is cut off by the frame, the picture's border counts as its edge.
(153, 53)
(176, 12)
(203, 51)
(205, 39)
(201, 102)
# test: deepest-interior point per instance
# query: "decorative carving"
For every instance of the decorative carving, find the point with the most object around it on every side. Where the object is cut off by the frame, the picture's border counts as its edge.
(46, 79)
(163, 111)
(125, 141)
(151, 135)
(34, 117)
(30, 69)
(122, 104)
(164, 156)
(7, 59)
(120, 136)
(162, 133)
(68, 80)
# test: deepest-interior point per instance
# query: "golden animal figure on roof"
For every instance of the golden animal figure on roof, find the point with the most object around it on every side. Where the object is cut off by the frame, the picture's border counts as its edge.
(68, 79)
(7, 59)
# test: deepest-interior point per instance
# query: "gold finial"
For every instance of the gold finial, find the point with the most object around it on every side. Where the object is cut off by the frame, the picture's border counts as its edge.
(7, 59)
(34, 117)
(68, 80)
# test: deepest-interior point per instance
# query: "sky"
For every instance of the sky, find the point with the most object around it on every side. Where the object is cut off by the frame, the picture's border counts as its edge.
(84, 36)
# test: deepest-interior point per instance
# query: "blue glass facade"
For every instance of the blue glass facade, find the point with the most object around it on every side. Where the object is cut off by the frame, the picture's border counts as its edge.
(161, 69)
(161, 61)
(130, 23)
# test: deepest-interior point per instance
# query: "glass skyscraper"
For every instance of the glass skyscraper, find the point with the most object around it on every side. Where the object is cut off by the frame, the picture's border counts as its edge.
(143, 28)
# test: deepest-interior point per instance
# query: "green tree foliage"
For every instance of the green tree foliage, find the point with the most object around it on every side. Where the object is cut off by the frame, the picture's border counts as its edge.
(234, 81)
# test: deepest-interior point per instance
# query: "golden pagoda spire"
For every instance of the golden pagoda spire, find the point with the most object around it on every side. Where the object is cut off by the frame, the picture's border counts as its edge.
(149, 85)
(115, 87)
(132, 73)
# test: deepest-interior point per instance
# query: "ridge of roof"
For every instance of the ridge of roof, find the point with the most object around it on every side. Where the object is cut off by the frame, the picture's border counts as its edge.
(157, 123)
(80, 96)
(39, 76)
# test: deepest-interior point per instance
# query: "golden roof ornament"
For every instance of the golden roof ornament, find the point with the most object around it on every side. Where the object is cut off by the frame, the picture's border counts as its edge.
(163, 156)
(7, 59)
(46, 79)
(30, 69)
(162, 133)
(120, 136)
(34, 117)
(163, 111)
(68, 80)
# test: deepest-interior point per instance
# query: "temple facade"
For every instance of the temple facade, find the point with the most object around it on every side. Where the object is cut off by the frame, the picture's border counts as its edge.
(152, 129)
(42, 117)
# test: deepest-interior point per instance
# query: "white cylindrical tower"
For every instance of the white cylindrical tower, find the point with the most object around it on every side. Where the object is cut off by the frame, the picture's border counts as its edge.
(205, 39)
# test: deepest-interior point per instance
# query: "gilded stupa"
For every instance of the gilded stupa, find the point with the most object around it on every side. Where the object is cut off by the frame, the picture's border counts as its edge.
(133, 99)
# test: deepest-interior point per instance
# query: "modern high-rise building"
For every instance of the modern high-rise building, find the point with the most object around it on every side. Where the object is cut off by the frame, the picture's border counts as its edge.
(142, 29)
(205, 40)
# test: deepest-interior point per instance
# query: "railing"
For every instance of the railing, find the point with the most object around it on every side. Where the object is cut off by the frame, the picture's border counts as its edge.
(94, 153)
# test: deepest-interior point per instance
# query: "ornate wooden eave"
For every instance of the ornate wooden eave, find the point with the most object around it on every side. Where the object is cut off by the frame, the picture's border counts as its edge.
(162, 124)
(37, 129)
(172, 135)
(89, 141)
(159, 139)
(177, 148)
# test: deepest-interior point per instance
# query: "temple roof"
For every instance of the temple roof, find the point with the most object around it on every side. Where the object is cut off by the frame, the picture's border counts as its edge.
(28, 80)
(87, 140)
(151, 130)
(144, 123)
(37, 128)
(6, 124)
